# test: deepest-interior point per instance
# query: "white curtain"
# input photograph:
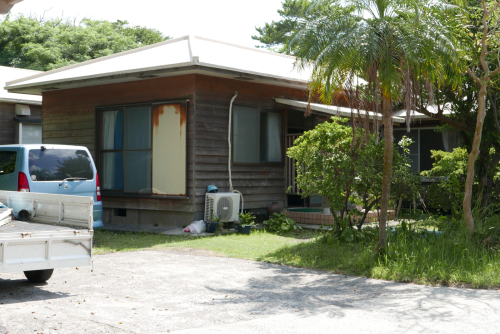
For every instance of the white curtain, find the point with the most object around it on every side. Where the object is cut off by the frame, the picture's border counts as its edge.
(108, 133)
(451, 140)
(273, 137)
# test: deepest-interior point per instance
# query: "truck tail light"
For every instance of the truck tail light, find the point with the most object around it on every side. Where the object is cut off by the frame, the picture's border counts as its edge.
(22, 183)
(98, 187)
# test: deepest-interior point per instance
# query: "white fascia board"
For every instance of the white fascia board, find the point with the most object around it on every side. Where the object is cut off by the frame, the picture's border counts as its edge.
(334, 110)
(21, 101)
(17, 88)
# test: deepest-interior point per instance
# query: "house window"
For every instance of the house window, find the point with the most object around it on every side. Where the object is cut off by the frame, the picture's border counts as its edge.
(425, 140)
(27, 133)
(257, 136)
(143, 150)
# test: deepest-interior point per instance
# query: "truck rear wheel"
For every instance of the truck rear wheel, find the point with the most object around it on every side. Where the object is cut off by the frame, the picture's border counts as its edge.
(38, 276)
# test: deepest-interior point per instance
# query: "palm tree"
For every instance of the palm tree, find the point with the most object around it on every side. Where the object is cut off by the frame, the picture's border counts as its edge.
(399, 47)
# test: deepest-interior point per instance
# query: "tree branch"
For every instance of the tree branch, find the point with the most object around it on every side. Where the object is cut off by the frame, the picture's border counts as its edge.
(474, 76)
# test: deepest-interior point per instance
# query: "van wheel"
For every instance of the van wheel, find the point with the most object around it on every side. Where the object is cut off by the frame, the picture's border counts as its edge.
(38, 276)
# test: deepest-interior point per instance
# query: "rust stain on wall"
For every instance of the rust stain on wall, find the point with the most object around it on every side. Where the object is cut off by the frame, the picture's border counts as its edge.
(157, 112)
(182, 109)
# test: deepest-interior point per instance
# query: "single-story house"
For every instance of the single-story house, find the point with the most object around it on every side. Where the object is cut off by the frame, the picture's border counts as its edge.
(20, 114)
(157, 122)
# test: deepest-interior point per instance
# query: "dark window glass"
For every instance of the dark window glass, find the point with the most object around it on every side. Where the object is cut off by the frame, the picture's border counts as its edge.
(137, 129)
(429, 140)
(59, 164)
(246, 135)
(7, 162)
(137, 172)
(257, 136)
(296, 119)
(126, 150)
(112, 170)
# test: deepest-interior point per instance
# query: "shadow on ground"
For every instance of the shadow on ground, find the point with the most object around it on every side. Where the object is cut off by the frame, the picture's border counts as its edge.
(22, 291)
(311, 293)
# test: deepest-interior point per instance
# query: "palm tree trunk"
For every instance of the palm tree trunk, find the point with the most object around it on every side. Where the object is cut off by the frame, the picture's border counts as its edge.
(387, 171)
(467, 205)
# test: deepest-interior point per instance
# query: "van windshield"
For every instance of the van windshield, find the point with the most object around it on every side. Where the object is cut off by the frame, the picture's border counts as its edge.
(7, 162)
(59, 164)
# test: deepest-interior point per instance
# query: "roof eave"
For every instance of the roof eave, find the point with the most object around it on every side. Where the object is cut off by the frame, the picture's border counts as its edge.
(20, 101)
(38, 88)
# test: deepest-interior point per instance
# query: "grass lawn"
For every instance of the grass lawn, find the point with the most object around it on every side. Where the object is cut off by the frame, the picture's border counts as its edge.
(434, 259)
(253, 246)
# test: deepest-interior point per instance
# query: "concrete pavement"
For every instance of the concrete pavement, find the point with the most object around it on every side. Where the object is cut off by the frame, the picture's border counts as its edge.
(188, 291)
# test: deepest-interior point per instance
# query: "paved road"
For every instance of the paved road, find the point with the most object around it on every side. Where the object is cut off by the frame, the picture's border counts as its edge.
(186, 292)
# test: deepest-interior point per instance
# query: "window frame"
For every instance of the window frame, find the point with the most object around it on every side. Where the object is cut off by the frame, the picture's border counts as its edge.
(419, 138)
(282, 137)
(99, 110)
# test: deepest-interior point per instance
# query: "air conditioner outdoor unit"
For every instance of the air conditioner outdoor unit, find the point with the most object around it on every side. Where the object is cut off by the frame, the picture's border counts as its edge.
(225, 205)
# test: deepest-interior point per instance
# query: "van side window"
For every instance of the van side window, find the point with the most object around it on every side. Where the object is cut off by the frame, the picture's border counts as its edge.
(59, 164)
(7, 162)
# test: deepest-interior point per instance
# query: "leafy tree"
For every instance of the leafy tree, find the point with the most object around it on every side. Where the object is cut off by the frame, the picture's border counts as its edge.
(406, 185)
(326, 164)
(332, 163)
(274, 35)
(449, 171)
(474, 103)
(38, 44)
(483, 71)
(395, 45)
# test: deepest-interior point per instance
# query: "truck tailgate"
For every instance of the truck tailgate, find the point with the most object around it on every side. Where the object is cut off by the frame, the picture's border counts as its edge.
(34, 246)
(59, 233)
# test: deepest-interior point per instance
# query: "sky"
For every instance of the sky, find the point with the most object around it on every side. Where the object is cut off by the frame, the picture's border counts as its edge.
(231, 21)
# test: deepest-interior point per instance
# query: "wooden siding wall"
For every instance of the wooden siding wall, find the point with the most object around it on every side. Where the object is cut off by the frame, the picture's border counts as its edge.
(7, 124)
(69, 118)
(260, 185)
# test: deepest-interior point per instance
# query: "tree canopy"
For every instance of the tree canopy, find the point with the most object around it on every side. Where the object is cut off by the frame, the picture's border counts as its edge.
(275, 34)
(397, 46)
(38, 44)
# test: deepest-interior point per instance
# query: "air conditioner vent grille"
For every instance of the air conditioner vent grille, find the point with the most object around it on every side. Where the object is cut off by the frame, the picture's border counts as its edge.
(225, 208)
(209, 207)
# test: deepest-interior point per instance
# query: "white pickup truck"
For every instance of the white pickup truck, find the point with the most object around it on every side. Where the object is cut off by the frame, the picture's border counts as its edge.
(58, 233)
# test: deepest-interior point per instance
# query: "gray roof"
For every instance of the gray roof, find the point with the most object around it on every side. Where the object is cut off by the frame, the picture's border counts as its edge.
(431, 108)
(334, 110)
(11, 73)
(184, 55)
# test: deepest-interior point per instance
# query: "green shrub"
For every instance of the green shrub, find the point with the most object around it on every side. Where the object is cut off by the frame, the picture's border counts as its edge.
(487, 232)
(279, 222)
(449, 171)
(246, 218)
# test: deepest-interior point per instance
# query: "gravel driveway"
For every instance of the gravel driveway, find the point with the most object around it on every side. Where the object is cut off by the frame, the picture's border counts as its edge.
(192, 292)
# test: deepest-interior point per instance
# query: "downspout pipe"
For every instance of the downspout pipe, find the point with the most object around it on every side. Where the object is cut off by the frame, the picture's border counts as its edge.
(229, 153)
(229, 141)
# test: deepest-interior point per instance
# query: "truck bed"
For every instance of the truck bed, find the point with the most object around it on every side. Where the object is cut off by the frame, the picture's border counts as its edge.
(58, 235)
